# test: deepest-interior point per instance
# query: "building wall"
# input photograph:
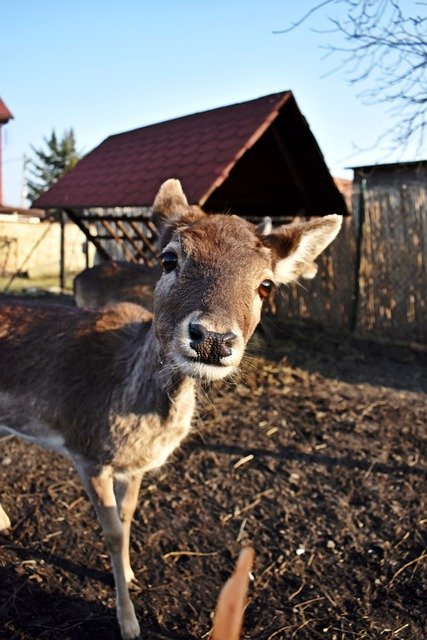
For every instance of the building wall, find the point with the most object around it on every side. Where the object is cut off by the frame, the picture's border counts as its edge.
(34, 247)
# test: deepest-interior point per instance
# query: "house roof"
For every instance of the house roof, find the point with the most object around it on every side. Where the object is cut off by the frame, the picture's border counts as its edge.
(6, 210)
(5, 114)
(257, 157)
(391, 165)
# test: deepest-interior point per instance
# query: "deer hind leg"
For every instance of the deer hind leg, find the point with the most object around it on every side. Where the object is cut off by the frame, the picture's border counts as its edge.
(99, 486)
(4, 519)
(127, 491)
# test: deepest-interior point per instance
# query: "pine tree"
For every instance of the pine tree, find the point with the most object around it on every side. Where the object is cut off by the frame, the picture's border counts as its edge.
(49, 165)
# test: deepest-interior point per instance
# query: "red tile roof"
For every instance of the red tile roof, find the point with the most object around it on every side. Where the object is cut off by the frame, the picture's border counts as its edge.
(5, 114)
(200, 149)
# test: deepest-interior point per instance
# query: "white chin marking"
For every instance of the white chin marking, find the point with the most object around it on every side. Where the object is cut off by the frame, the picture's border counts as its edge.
(201, 370)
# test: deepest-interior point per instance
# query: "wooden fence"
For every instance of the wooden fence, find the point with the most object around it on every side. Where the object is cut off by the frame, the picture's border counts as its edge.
(393, 269)
(373, 278)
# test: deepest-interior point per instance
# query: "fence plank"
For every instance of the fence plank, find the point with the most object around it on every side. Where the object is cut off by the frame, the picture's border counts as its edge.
(328, 298)
(392, 279)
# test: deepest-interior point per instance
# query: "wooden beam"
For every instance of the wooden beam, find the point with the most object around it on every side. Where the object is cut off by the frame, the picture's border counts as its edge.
(144, 239)
(93, 239)
(121, 225)
(62, 252)
(281, 144)
(98, 217)
(114, 236)
(120, 235)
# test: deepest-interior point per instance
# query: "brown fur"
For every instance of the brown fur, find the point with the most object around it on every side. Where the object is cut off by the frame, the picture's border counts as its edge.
(114, 388)
(209, 275)
(116, 281)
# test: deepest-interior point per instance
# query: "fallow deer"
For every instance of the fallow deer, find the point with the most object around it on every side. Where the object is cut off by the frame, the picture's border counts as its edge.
(114, 388)
(116, 281)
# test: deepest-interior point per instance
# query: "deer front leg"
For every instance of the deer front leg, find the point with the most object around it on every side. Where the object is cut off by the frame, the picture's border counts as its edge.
(99, 486)
(127, 491)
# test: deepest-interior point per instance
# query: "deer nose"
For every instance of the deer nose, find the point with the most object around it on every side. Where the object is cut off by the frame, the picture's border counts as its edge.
(210, 346)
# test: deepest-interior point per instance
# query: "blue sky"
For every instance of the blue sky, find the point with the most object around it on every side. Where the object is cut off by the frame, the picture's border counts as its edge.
(103, 67)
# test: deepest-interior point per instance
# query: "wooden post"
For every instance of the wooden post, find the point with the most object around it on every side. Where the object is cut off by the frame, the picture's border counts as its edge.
(1, 161)
(358, 257)
(80, 223)
(62, 252)
(86, 246)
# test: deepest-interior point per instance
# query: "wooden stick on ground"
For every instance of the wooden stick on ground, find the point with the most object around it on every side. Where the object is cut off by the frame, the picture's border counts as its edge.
(232, 600)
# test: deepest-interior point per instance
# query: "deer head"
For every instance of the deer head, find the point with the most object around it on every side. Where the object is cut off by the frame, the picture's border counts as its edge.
(217, 270)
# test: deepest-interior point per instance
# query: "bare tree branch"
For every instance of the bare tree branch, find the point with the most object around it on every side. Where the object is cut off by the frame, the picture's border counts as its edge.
(305, 17)
(387, 47)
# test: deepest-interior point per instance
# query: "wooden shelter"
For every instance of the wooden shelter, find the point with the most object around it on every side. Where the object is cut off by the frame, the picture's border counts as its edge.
(392, 175)
(391, 240)
(254, 159)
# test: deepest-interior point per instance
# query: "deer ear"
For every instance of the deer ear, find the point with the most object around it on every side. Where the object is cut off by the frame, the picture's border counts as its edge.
(170, 202)
(171, 208)
(296, 246)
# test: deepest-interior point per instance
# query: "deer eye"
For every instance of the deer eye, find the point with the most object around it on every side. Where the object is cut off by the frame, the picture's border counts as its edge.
(265, 288)
(169, 261)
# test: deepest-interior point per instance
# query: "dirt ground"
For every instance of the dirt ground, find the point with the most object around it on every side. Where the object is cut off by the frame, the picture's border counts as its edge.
(313, 456)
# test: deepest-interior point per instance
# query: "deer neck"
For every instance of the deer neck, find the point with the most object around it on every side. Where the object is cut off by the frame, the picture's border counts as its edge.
(151, 412)
(154, 386)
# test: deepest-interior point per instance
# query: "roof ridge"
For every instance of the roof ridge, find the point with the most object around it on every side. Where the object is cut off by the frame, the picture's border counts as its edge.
(202, 150)
(278, 95)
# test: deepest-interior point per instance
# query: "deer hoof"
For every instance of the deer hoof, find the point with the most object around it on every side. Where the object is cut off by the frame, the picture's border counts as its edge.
(130, 628)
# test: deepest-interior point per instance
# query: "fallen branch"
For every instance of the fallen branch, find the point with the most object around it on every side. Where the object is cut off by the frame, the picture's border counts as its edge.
(231, 604)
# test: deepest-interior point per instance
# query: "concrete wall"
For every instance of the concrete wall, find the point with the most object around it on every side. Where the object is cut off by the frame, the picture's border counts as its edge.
(34, 247)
